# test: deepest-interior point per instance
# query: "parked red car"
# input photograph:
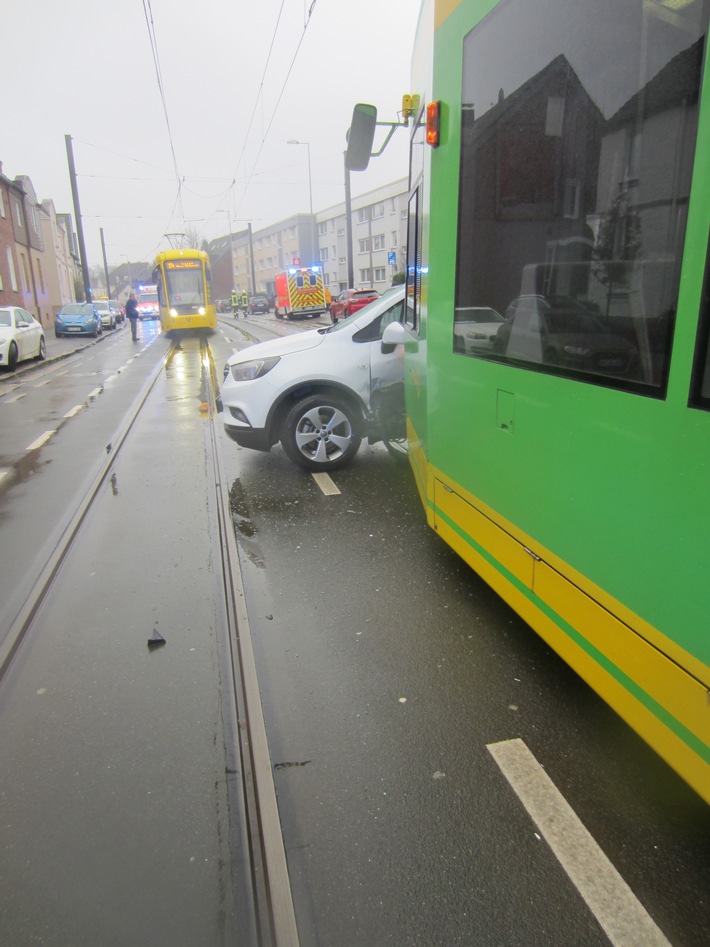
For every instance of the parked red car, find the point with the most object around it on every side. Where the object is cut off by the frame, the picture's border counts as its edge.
(350, 300)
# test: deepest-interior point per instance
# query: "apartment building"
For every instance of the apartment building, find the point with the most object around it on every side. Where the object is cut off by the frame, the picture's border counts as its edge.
(379, 234)
(379, 227)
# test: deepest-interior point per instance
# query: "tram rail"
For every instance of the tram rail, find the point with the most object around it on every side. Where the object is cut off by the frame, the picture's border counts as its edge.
(248, 756)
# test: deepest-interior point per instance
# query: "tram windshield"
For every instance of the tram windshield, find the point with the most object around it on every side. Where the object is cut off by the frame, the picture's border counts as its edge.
(578, 134)
(185, 283)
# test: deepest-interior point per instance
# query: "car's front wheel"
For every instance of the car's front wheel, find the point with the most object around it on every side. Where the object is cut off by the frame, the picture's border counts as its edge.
(12, 357)
(321, 432)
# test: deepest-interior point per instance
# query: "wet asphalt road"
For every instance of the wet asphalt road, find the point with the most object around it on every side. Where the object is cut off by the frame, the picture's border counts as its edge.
(386, 669)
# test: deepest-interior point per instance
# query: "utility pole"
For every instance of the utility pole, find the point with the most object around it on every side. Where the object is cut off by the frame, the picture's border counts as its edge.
(251, 259)
(349, 224)
(77, 216)
(103, 253)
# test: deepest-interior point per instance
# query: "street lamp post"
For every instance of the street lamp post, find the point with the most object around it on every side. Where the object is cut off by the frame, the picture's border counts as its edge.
(294, 141)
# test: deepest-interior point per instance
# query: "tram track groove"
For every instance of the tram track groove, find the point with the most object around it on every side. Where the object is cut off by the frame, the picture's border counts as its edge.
(271, 877)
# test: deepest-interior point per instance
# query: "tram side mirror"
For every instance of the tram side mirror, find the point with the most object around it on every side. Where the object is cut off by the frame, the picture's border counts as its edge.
(395, 334)
(360, 136)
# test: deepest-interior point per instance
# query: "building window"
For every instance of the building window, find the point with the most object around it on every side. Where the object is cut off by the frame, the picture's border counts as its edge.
(380, 275)
(341, 231)
(363, 245)
(363, 215)
(378, 242)
(342, 261)
(322, 227)
(41, 277)
(395, 238)
(2, 204)
(365, 276)
(323, 254)
(25, 273)
(11, 267)
(403, 214)
(18, 214)
(378, 210)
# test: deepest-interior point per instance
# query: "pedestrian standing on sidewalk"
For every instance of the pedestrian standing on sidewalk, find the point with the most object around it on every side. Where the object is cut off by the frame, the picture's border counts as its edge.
(132, 315)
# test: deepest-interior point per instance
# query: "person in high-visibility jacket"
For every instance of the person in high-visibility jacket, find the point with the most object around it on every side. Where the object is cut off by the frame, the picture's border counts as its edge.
(235, 304)
(245, 303)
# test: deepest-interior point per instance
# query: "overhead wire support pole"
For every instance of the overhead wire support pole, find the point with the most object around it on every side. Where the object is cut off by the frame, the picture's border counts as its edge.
(77, 215)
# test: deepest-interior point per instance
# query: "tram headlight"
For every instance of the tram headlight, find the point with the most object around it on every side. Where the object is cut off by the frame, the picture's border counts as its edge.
(256, 368)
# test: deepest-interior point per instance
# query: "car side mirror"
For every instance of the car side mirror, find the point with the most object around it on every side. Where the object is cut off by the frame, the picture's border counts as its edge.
(395, 334)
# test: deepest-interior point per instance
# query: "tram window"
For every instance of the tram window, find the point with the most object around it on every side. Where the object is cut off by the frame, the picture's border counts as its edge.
(700, 394)
(185, 286)
(578, 130)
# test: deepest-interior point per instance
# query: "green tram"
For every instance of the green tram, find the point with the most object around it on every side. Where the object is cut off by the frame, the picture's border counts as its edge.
(557, 364)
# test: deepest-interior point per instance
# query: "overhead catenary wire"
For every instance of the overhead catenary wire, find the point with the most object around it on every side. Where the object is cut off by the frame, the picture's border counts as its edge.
(156, 61)
(307, 19)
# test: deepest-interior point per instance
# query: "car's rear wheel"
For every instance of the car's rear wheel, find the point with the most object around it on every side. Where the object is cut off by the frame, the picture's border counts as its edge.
(42, 353)
(321, 432)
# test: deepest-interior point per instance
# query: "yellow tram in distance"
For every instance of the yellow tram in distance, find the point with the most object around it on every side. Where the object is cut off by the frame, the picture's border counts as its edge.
(184, 290)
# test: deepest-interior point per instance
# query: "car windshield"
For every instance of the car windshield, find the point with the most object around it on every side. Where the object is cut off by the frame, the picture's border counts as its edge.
(5, 317)
(79, 310)
(365, 292)
(355, 317)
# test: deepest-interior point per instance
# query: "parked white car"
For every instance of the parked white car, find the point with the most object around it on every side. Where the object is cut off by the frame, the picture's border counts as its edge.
(21, 336)
(320, 392)
(110, 312)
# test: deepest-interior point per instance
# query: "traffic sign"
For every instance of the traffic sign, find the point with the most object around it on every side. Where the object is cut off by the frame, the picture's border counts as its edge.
(392, 258)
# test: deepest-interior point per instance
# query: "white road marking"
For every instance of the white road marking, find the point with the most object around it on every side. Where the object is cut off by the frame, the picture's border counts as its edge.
(75, 410)
(3, 473)
(10, 389)
(42, 383)
(326, 484)
(94, 394)
(15, 398)
(110, 378)
(41, 440)
(613, 903)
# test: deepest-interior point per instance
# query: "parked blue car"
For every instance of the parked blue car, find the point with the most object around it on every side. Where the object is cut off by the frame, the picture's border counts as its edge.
(78, 319)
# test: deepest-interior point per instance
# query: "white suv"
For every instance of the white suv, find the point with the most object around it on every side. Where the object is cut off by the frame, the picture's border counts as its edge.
(320, 392)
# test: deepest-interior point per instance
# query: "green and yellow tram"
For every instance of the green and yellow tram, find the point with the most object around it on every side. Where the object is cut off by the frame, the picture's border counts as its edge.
(184, 290)
(557, 363)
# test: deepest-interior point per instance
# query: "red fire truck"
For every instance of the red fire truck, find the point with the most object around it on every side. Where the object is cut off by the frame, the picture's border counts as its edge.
(300, 293)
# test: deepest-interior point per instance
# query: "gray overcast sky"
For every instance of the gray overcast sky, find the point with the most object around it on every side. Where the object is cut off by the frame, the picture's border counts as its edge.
(86, 69)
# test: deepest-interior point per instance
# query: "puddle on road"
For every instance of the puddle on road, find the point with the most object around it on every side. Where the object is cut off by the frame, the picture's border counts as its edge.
(241, 516)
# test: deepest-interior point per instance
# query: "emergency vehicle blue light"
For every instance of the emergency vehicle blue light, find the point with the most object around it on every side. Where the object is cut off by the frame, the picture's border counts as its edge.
(315, 269)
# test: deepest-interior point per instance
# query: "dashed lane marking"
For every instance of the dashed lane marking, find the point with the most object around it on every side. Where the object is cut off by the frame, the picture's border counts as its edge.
(613, 903)
(41, 440)
(15, 398)
(94, 394)
(326, 484)
(75, 410)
